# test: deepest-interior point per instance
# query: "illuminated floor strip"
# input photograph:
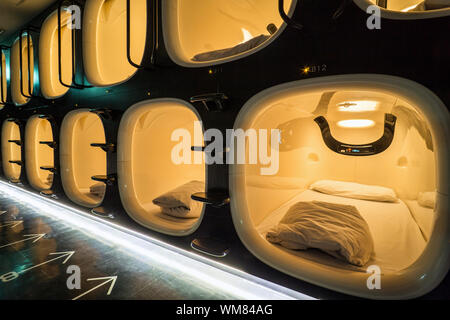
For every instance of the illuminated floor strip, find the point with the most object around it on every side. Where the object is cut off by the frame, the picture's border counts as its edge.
(204, 270)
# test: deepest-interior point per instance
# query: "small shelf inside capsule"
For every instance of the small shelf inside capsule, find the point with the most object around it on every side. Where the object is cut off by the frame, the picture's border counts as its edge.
(18, 142)
(107, 179)
(51, 144)
(51, 169)
(215, 199)
(107, 147)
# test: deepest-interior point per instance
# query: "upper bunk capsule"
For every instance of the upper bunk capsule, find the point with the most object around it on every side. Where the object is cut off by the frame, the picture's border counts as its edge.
(408, 9)
(3, 83)
(22, 69)
(105, 40)
(50, 67)
(203, 33)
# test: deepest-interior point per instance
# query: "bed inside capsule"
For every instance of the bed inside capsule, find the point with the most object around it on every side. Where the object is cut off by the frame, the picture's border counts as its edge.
(105, 40)
(80, 161)
(49, 64)
(22, 76)
(11, 150)
(200, 33)
(156, 172)
(408, 9)
(39, 153)
(397, 182)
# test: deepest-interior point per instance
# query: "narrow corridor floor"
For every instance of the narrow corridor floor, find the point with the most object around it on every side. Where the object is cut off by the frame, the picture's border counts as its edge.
(42, 257)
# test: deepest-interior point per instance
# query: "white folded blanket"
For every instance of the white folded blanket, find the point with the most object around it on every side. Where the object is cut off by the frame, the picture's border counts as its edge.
(228, 52)
(336, 229)
(178, 202)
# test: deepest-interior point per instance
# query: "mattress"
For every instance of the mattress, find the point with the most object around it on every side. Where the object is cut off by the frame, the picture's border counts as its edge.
(423, 216)
(398, 240)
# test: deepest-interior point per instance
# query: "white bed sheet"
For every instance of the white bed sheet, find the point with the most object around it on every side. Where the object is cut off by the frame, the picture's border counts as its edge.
(423, 216)
(398, 241)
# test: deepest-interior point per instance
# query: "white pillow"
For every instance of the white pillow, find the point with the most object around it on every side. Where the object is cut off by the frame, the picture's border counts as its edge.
(427, 199)
(355, 190)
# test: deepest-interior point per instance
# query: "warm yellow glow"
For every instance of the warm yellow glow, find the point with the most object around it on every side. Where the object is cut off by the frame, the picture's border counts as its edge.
(246, 34)
(358, 106)
(356, 123)
(305, 70)
(410, 8)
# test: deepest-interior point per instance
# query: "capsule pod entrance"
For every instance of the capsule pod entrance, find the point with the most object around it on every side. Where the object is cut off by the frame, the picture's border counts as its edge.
(200, 33)
(105, 40)
(49, 69)
(22, 76)
(373, 144)
(408, 9)
(149, 164)
(80, 162)
(11, 150)
(39, 153)
(3, 84)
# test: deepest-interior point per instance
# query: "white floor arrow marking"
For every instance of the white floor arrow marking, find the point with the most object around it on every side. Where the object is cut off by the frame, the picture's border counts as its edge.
(67, 254)
(108, 279)
(36, 237)
(11, 224)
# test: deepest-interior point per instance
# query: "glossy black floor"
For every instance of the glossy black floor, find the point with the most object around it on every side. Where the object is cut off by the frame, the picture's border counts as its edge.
(38, 250)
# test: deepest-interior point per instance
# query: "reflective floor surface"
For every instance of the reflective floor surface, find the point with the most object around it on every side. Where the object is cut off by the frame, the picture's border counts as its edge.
(43, 257)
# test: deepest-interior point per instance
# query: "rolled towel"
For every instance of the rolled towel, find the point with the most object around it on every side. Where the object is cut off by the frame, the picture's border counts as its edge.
(178, 202)
(98, 189)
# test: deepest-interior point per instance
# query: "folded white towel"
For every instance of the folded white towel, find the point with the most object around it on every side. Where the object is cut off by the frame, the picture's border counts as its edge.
(336, 229)
(178, 202)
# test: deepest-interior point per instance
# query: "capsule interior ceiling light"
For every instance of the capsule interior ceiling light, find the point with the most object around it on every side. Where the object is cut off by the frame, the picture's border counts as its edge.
(356, 123)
